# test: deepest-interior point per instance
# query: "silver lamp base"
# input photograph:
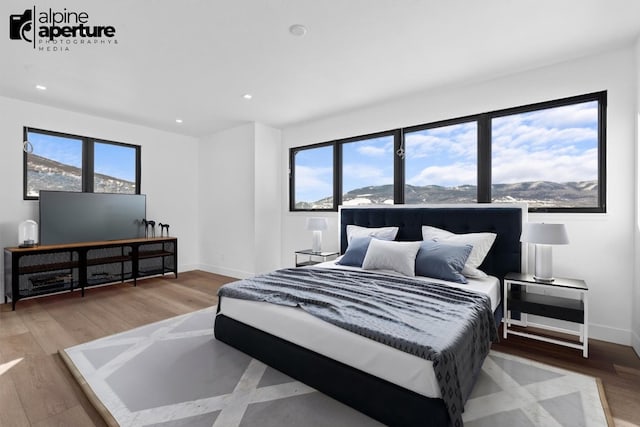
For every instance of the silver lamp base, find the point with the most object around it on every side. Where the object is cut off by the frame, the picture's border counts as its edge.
(544, 266)
(316, 243)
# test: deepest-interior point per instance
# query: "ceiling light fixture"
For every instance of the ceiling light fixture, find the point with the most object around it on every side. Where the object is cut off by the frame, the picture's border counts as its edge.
(178, 120)
(247, 96)
(298, 30)
(41, 87)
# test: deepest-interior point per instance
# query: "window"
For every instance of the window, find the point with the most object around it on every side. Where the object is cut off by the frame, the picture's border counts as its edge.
(367, 171)
(441, 164)
(54, 163)
(114, 168)
(312, 178)
(57, 161)
(551, 155)
(547, 157)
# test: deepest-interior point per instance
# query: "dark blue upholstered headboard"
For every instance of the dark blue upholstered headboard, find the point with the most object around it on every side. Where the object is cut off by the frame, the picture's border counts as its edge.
(506, 222)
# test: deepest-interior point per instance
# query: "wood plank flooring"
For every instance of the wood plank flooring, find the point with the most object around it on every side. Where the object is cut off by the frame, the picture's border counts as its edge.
(36, 388)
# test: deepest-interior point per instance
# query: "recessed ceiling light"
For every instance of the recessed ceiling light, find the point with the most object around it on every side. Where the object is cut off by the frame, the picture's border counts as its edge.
(178, 120)
(247, 96)
(41, 87)
(298, 30)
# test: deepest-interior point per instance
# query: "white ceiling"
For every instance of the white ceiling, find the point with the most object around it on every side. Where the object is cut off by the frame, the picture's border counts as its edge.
(195, 59)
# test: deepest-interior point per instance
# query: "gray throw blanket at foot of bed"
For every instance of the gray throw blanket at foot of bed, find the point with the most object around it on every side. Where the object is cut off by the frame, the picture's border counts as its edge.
(449, 326)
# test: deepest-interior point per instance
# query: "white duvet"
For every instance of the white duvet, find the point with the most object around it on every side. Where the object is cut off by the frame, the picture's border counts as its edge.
(305, 330)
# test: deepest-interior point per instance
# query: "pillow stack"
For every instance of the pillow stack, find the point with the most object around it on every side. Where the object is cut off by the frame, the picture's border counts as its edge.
(441, 254)
(395, 256)
(481, 243)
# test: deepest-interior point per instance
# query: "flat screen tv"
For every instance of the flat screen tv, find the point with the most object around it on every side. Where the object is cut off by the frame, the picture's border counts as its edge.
(71, 217)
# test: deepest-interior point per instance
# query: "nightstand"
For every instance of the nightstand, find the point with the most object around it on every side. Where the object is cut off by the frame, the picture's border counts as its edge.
(517, 298)
(308, 257)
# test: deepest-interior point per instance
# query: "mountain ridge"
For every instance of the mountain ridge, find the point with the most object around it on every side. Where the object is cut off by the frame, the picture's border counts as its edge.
(44, 173)
(535, 193)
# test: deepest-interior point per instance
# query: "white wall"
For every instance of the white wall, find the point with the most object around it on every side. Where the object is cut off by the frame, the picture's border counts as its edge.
(602, 245)
(240, 215)
(268, 197)
(168, 178)
(226, 224)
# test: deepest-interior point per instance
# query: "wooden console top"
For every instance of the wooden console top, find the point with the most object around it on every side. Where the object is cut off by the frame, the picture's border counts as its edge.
(100, 243)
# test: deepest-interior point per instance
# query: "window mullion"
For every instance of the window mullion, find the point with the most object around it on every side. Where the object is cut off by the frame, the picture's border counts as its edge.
(138, 169)
(25, 164)
(602, 151)
(398, 167)
(484, 159)
(87, 165)
(337, 175)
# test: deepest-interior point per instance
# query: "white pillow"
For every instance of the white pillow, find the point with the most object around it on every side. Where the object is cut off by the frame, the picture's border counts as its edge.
(481, 243)
(396, 256)
(382, 233)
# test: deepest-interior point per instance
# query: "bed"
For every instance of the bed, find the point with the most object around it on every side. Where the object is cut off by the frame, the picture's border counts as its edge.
(331, 360)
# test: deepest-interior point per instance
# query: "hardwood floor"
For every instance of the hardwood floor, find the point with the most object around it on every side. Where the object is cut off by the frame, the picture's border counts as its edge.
(36, 388)
(617, 366)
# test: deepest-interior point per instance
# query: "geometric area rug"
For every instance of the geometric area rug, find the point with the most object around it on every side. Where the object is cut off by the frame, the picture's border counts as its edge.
(175, 373)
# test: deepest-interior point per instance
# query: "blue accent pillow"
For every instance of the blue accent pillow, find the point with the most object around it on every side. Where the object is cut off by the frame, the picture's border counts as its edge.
(442, 260)
(356, 251)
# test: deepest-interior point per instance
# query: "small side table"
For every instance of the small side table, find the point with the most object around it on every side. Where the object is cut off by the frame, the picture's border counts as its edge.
(516, 298)
(307, 257)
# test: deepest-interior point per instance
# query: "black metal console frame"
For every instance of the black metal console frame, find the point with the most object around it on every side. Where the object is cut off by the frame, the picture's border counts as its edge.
(79, 262)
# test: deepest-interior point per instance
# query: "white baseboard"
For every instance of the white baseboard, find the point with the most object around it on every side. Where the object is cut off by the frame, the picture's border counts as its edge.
(238, 274)
(596, 331)
(609, 334)
(188, 267)
(635, 342)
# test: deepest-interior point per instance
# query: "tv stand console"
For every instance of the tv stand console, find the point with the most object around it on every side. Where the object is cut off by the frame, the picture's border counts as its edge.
(47, 269)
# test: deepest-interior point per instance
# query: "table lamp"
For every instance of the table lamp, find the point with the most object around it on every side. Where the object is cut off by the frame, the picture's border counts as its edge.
(317, 225)
(544, 236)
(28, 234)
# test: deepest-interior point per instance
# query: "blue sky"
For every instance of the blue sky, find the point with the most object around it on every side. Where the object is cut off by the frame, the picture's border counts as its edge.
(314, 174)
(113, 160)
(558, 144)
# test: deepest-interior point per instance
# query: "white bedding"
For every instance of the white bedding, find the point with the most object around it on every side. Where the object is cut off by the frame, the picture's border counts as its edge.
(374, 358)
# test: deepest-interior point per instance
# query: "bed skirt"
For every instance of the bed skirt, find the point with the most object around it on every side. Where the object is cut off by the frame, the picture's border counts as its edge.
(386, 402)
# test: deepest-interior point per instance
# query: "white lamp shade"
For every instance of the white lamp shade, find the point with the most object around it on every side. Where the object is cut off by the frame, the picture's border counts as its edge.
(545, 234)
(317, 224)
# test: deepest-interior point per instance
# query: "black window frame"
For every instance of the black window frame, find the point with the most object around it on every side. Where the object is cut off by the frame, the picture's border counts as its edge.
(484, 153)
(435, 125)
(395, 134)
(292, 196)
(601, 98)
(88, 159)
(337, 168)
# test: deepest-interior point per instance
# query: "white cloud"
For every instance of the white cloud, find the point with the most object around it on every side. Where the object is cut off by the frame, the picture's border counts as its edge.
(577, 115)
(313, 183)
(519, 166)
(356, 175)
(558, 144)
(454, 142)
(449, 175)
(571, 116)
(536, 138)
(370, 150)
(378, 147)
